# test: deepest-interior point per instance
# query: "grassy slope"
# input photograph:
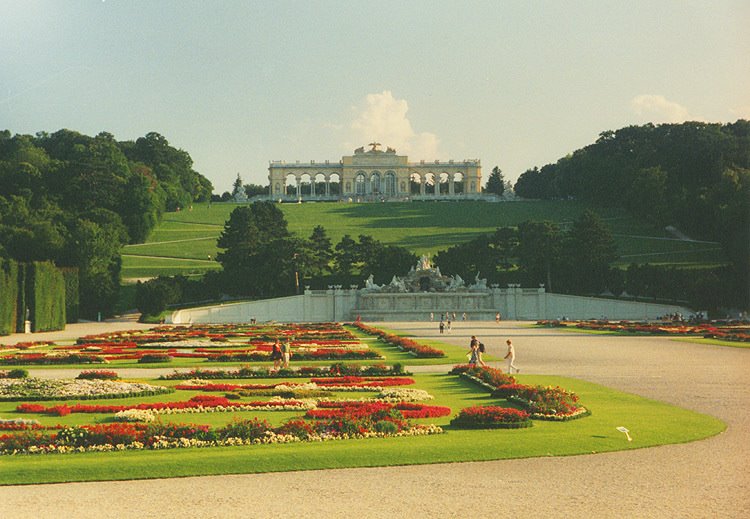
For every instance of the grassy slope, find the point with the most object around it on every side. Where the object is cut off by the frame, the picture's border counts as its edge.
(423, 227)
(651, 423)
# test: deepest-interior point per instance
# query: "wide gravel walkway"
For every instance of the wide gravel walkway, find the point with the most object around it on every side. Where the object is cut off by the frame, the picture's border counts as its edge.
(709, 478)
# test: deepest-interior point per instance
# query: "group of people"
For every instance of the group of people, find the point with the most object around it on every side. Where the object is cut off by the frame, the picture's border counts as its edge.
(281, 352)
(477, 349)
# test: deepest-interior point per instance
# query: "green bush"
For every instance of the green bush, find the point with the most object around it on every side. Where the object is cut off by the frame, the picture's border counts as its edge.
(153, 358)
(18, 373)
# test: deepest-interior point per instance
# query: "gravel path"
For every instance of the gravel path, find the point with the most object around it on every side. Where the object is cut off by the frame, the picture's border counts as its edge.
(709, 478)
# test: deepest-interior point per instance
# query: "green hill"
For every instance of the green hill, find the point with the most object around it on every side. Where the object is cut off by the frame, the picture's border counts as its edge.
(185, 242)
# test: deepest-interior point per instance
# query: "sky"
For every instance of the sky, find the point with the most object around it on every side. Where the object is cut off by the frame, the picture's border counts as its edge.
(236, 84)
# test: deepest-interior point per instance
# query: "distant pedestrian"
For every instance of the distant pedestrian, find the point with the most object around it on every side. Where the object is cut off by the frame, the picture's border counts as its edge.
(276, 355)
(454, 316)
(463, 317)
(441, 326)
(448, 325)
(498, 317)
(511, 356)
(286, 352)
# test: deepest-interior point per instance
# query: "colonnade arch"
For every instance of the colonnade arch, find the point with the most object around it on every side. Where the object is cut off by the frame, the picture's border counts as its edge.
(374, 174)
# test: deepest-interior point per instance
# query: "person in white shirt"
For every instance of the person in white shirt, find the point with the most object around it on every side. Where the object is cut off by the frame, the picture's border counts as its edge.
(511, 356)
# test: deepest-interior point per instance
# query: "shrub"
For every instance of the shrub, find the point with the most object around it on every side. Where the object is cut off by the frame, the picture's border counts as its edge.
(252, 429)
(386, 427)
(153, 358)
(99, 374)
(18, 373)
(491, 417)
(297, 428)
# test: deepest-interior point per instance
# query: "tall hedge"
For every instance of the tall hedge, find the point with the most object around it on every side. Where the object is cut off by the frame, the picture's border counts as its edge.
(72, 305)
(23, 301)
(46, 290)
(8, 296)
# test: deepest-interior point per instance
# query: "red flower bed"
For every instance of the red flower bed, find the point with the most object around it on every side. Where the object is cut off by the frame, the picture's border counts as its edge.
(355, 409)
(403, 343)
(363, 381)
(193, 403)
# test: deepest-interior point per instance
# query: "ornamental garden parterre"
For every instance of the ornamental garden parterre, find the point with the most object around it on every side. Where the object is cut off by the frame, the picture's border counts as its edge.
(345, 383)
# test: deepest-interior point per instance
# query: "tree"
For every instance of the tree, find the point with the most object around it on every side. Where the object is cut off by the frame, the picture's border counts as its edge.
(495, 182)
(255, 190)
(319, 251)
(259, 256)
(539, 247)
(505, 241)
(345, 255)
(390, 261)
(589, 250)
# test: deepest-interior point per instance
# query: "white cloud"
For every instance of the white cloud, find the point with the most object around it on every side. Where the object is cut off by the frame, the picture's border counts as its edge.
(659, 109)
(383, 118)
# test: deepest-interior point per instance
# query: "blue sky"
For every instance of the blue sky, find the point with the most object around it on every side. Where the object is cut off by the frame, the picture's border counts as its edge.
(237, 84)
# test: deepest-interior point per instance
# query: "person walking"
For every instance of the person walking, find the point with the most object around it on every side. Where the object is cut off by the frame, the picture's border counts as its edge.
(511, 356)
(276, 355)
(441, 326)
(448, 325)
(286, 352)
(473, 351)
(480, 352)
(498, 317)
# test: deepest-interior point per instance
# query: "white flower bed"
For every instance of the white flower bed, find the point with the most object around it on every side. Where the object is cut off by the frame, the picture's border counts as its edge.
(46, 389)
(135, 415)
(403, 394)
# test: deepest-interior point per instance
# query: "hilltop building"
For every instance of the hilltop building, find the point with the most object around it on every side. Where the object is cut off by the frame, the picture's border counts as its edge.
(374, 175)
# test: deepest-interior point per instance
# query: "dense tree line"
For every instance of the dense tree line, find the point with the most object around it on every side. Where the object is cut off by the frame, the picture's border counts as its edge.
(75, 200)
(260, 258)
(574, 261)
(694, 176)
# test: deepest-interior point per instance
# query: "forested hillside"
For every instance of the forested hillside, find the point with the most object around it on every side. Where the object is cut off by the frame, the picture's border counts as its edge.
(693, 176)
(76, 200)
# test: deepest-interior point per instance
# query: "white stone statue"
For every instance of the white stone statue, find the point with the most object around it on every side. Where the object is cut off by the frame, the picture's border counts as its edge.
(479, 283)
(424, 263)
(455, 282)
(397, 284)
(370, 284)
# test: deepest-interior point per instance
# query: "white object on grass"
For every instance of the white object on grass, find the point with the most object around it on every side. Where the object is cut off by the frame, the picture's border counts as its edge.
(626, 431)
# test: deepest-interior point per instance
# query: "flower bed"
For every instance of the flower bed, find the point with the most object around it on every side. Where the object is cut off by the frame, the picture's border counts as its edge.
(725, 332)
(24, 359)
(402, 343)
(487, 377)
(199, 403)
(43, 389)
(491, 417)
(334, 370)
(338, 409)
(124, 436)
(544, 403)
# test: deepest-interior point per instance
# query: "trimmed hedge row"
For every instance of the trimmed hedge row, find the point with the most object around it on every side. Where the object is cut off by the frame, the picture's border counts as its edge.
(8, 296)
(38, 292)
(47, 301)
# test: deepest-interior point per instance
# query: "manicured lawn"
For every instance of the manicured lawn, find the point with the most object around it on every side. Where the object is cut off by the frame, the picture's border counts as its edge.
(651, 423)
(422, 227)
